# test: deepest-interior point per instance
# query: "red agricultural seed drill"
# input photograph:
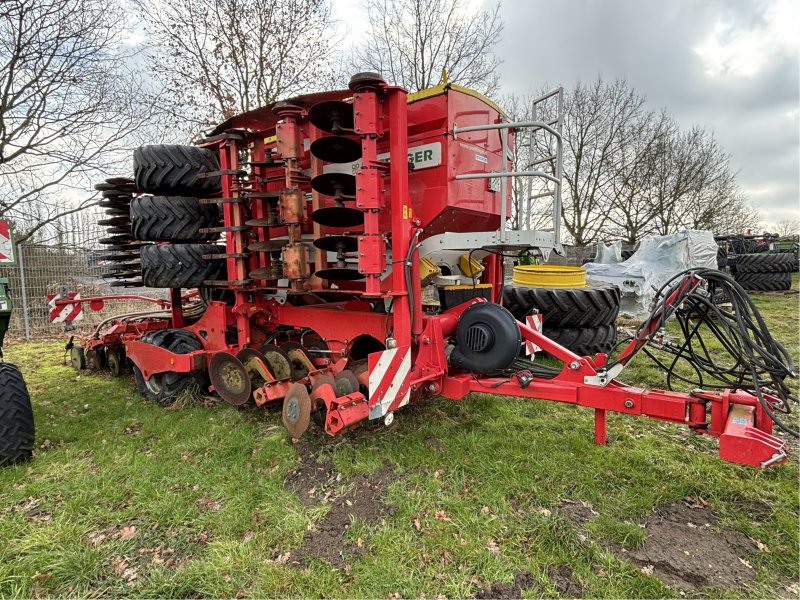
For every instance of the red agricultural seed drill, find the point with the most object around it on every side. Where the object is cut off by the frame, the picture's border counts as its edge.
(340, 213)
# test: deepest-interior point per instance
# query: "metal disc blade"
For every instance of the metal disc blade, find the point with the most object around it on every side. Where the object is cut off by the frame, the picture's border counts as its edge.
(119, 256)
(332, 116)
(279, 363)
(267, 246)
(127, 283)
(115, 239)
(336, 149)
(114, 203)
(299, 359)
(333, 184)
(117, 212)
(338, 216)
(296, 410)
(337, 243)
(254, 362)
(118, 181)
(116, 195)
(115, 222)
(346, 383)
(336, 274)
(124, 274)
(229, 378)
(118, 230)
(104, 186)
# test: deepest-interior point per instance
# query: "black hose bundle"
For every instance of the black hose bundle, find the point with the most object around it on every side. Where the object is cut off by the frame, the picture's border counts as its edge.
(746, 356)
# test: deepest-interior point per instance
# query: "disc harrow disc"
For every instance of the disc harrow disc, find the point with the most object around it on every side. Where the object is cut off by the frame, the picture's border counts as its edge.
(332, 116)
(296, 410)
(337, 243)
(338, 274)
(118, 230)
(130, 273)
(127, 283)
(336, 149)
(299, 359)
(115, 222)
(279, 363)
(338, 216)
(117, 212)
(332, 184)
(116, 240)
(253, 362)
(346, 383)
(229, 378)
(115, 360)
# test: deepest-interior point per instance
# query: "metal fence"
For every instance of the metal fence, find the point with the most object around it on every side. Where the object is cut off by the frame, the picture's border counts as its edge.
(41, 270)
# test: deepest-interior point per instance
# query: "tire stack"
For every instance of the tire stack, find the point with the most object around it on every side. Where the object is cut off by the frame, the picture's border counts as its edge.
(123, 267)
(177, 177)
(765, 272)
(580, 319)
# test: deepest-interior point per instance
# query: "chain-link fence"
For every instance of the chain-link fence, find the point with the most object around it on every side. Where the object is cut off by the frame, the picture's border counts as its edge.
(41, 270)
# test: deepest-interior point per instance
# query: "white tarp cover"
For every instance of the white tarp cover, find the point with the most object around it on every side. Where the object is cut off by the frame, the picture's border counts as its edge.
(608, 254)
(658, 259)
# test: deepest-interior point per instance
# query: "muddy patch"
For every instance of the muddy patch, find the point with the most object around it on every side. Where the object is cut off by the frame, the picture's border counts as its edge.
(577, 512)
(522, 581)
(360, 497)
(686, 550)
(563, 579)
(684, 546)
(312, 479)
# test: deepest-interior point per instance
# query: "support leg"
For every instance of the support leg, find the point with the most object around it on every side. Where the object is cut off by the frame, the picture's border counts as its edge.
(600, 426)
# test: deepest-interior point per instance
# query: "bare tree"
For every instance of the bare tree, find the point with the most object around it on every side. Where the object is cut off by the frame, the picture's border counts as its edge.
(216, 58)
(632, 211)
(598, 119)
(787, 227)
(68, 107)
(412, 41)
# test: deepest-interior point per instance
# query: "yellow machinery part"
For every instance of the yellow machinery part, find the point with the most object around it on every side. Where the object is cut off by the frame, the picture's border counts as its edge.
(428, 270)
(470, 266)
(554, 276)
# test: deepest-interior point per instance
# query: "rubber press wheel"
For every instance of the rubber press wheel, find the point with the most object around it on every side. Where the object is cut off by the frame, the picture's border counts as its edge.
(172, 218)
(173, 169)
(180, 265)
(165, 387)
(16, 417)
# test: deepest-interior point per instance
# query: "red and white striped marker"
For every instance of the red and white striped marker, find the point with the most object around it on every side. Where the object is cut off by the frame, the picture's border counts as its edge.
(535, 323)
(65, 313)
(388, 381)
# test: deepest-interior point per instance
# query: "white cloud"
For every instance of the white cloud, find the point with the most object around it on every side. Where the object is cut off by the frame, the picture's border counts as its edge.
(731, 49)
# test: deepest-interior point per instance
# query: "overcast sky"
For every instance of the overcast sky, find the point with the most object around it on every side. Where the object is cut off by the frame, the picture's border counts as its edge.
(730, 65)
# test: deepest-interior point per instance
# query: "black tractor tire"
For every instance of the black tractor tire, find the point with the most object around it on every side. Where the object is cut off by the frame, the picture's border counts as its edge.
(165, 387)
(180, 265)
(586, 341)
(16, 417)
(766, 263)
(565, 307)
(173, 169)
(172, 219)
(722, 258)
(764, 282)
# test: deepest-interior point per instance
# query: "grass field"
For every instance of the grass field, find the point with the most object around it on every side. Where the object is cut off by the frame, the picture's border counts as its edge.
(489, 496)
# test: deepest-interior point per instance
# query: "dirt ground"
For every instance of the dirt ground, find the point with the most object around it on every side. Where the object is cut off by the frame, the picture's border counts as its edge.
(359, 497)
(685, 547)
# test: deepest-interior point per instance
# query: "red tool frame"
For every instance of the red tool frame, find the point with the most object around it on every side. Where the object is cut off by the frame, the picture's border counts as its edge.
(407, 359)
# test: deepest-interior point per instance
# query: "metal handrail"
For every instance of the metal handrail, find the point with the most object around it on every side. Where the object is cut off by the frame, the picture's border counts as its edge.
(504, 174)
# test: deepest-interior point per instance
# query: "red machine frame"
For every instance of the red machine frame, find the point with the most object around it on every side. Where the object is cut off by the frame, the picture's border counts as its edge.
(413, 362)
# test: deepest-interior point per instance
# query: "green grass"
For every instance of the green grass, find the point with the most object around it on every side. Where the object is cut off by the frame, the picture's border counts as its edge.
(203, 486)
